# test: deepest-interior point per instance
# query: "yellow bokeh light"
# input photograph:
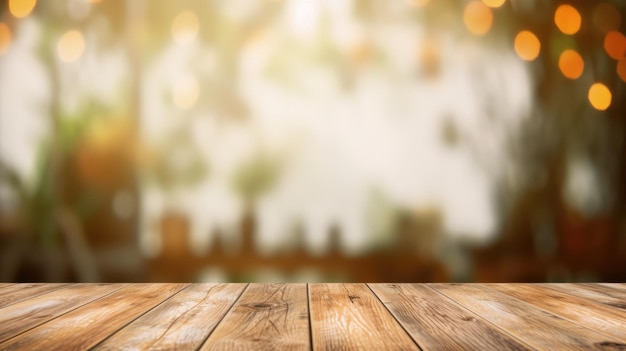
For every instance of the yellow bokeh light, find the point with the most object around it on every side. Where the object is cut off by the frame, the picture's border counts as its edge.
(606, 17)
(185, 27)
(21, 8)
(615, 44)
(71, 46)
(600, 96)
(185, 92)
(571, 64)
(621, 69)
(567, 19)
(494, 3)
(478, 18)
(527, 45)
(5, 37)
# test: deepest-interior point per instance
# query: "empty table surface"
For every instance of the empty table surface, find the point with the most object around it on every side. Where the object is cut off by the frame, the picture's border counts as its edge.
(313, 316)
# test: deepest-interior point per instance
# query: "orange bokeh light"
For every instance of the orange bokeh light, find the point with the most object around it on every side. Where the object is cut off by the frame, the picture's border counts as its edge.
(527, 45)
(71, 46)
(600, 96)
(571, 64)
(621, 68)
(567, 19)
(5, 37)
(478, 18)
(615, 44)
(21, 8)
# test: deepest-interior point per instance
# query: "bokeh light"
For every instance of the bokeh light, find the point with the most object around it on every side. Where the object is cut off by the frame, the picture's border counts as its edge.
(5, 37)
(494, 3)
(615, 44)
(600, 96)
(621, 68)
(185, 92)
(571, 64)
(71, 46)
(606, 17)
(185, 27)
(21, 8)
(478, 18)
(527, 45)
(567, 19)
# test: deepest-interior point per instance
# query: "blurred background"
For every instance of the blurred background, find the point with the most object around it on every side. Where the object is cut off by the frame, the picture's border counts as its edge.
(312, 140)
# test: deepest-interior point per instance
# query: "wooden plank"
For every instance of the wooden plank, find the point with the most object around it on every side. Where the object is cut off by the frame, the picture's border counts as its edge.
(608, 297)
(19, 292)
(30, 313)
(616, 286)
(530, 324)
(86, 326)
(350, 317)
(266, 317)
(436, 322)
(581, 311)
(183, 322)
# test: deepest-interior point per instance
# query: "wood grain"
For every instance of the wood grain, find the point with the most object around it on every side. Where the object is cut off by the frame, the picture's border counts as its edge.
(608, 297)
(437, 323)
(30, 313)
(350, 317)
(18, 292)
(266, 317)
(84, 327)
(582, 311)
(183, 322)
(534, 326)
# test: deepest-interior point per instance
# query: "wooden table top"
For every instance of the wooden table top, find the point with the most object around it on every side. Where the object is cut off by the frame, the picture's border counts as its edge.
(313, 316)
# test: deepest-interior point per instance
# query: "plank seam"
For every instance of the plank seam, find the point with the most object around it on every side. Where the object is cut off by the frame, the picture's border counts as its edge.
(394, 317)
(308, 311)
(137, 317)
(504, 331)
(61, 314)
(200, 345)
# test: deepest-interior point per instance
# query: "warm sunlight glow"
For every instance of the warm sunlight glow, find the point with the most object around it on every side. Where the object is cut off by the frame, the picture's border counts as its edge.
(478, 18)
(615, 44)
(494, 3)
(71, 46)
(567, 19)
(621, 68)
(527, 45)
(185, 92)
(571, 64)
(600, 96)
(185, 27)
(21, 8)
(606, 17)
(5, 37)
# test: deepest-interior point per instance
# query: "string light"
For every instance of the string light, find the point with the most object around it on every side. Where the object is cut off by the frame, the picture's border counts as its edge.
(527, 45)
(71, 46)
(21, 8)
(478, 18)
(5, 37)
(571, 64)
(615, 44)
(567, 19)
(494, 3)
(600, 96)
(185, 27)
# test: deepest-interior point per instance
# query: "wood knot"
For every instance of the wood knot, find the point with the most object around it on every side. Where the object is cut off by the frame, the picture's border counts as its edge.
(468, 318)
(353, 297)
